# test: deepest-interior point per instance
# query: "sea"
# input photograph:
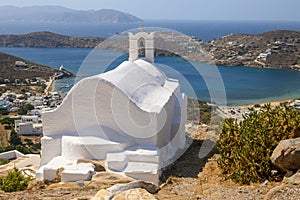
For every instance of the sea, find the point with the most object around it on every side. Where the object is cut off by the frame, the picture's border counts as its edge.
(216, 84)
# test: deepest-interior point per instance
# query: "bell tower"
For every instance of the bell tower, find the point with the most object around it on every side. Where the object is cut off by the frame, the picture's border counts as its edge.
(134, 44)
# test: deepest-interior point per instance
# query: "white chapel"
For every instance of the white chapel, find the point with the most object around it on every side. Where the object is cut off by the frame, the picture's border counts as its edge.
(132, 117)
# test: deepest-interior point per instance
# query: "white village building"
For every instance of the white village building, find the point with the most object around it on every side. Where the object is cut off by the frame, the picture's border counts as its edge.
(133, 117)
(29, 125)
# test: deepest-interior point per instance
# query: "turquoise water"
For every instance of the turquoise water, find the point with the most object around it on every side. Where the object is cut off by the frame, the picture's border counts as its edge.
(243, 85)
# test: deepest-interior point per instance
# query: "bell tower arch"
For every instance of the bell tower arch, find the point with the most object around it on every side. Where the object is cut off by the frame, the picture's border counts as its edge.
(134, 44)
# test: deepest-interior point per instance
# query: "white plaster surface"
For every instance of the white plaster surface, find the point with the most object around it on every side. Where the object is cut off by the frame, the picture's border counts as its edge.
(90, 147)
(9, 155)
(148, 172)
(78, 172)
(133, 117)
(48, 171)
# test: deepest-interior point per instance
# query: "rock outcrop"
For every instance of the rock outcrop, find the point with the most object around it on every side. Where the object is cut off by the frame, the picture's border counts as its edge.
(133, 190)
(286, 155)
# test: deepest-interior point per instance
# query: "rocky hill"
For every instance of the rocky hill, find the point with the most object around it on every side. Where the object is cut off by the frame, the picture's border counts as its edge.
(12, 67)
(274, 49)
(48, 39)
(64, 15)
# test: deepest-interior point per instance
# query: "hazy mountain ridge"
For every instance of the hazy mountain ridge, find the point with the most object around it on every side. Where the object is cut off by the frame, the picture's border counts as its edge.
(62, 14)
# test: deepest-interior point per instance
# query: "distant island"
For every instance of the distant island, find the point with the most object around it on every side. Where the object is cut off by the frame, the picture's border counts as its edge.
(48, 40)
(278, 49)
(66, 15)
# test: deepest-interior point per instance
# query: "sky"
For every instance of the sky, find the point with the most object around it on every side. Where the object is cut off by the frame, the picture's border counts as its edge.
(184, 9)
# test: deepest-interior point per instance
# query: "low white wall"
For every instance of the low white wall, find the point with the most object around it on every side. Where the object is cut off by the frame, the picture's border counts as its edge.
(9, 155)
(51, 147)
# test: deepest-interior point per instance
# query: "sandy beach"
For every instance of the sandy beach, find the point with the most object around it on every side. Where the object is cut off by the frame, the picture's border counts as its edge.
(273, 104)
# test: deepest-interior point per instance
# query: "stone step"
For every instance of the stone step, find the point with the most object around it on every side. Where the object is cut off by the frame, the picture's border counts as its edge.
(149, 172)
(78, 171)
(118, 161)
(90, 147)
(143, 155)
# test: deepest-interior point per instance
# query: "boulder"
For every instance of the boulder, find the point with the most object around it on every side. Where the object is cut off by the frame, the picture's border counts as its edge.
(101, 195)
(286, 155)
(108, 178)
(132, 194)
(99, 165)
(132, 190)
(135, 194)
(293, 180)
(150, 187)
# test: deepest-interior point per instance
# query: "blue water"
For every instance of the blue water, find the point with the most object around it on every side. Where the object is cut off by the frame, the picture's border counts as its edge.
(206, 30)
(243, 85)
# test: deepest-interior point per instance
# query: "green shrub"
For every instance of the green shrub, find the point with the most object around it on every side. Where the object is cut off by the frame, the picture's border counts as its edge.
(36, 146)
(246, 147)
(29, 107)
(14, 181)
(14, 139)
(3, 161)
(3, 111)
(7, 120)
(23, 149)
(28, 142)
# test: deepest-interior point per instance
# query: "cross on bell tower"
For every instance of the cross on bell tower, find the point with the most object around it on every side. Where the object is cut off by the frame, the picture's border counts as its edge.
(134, 45)
(141, 28)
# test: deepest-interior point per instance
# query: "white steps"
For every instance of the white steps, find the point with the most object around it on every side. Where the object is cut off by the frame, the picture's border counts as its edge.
(137, 163)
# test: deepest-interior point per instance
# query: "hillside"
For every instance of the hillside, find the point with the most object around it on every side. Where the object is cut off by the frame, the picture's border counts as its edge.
(8, 69)
(64, 15)
(48, 39)
(274, 49)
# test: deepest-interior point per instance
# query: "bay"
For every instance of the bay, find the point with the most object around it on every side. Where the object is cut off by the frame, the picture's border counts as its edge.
(243, 85)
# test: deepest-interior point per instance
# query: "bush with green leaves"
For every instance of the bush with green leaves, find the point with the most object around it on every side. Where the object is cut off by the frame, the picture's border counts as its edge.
(14, 139)
(3, 161)
(3, 111)
(14, 181)
(246, 147)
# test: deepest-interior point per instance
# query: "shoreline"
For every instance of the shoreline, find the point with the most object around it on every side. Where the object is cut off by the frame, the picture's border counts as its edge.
(273, 104)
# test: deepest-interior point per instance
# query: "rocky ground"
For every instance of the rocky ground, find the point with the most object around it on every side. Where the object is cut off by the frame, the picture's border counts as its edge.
(188, 178)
